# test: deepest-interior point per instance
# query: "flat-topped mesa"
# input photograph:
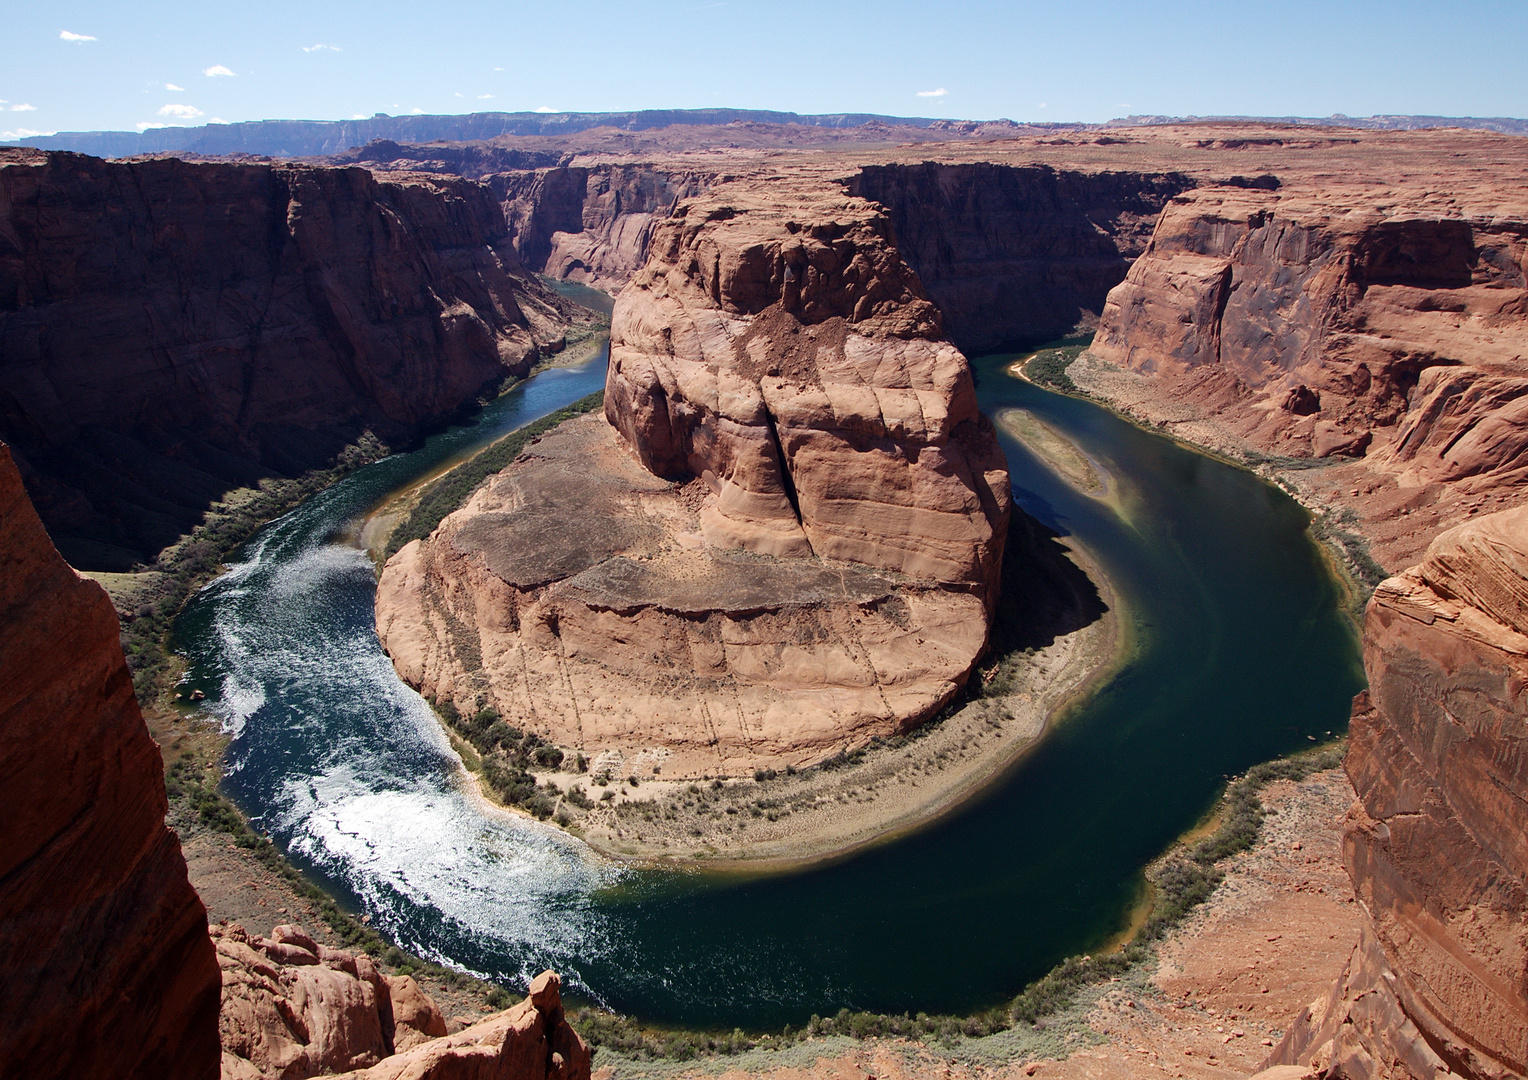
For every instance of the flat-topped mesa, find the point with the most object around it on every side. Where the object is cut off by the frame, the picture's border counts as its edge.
(785, 542)
(781, 350)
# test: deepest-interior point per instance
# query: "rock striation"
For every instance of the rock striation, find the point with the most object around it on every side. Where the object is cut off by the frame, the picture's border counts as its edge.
(1334, 322)
(105, 964)
(1015, 254)
(592, 224)
(171, 330)
(1437, 846)
(786, 540)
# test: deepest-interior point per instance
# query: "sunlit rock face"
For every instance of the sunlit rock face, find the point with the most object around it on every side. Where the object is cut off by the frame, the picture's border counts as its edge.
(783, 539)
(1437, 845)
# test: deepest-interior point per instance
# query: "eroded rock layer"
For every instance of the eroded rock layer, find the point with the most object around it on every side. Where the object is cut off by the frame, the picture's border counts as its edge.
(170, 330)
(1324, 323)
(1437, 846)
(785, 541)
(105, 964)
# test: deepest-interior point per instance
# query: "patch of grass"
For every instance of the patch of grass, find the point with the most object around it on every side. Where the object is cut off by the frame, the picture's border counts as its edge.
(1183, 881)
(504, 756)
(1048, 367)
(454, 488)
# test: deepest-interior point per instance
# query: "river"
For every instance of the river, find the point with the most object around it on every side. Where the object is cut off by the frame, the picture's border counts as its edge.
(1241, 654)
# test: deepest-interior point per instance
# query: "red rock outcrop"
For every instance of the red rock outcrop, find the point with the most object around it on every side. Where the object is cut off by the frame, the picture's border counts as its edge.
(293, 1009)
(1340, 321)
(796, 550)
(105, 964)
(1437, 846)
(531, 1041)
(169, 330)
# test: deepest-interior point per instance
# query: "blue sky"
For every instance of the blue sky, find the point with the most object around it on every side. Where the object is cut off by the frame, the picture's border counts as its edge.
(68, 66)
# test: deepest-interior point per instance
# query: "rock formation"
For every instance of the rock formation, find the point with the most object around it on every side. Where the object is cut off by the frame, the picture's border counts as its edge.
(105, 964)
(1437, 846)
(1017, 254)
(591, 224)
(171, 330)
(293, 1009)
(1322, 323)
(788, 543)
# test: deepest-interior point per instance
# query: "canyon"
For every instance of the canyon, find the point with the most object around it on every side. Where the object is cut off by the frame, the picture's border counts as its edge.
(171, 331)
(796, 506)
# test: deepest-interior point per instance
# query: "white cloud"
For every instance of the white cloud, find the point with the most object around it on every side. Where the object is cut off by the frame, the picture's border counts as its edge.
(215, 71)
(545, 108)
(941, 92)
(181, 112)
(484, 97)
(22, 133)
(499, 69)
(417, 111)
(64, 35)
(145, 125)
(23, 108)
(359, 116)
(322, 48)
(217, 120)
(458, 94)
(172, 88)
(1043, 105)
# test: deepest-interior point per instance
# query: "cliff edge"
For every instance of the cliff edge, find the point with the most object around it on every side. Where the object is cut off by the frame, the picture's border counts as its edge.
(105, 964)
(1437, 845)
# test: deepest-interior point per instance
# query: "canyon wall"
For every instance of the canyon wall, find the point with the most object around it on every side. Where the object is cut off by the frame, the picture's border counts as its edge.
(1341, 322)
(1437, 846)
(592, 224)
(171, 330)
(1016, 254)
(785, 540)
(105, 964)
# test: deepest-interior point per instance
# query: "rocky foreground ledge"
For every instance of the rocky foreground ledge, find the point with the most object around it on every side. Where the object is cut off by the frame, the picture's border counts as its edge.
(785, 541)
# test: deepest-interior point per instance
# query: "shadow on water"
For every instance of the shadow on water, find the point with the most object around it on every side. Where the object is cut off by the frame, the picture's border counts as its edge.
(1045, 594)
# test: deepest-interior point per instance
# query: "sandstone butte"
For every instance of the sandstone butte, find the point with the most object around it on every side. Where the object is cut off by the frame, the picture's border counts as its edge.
(782, 539)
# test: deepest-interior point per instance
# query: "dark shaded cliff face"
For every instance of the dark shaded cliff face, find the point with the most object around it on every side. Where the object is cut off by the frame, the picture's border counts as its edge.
(106, 968)
(171, 330)
(1017, 255)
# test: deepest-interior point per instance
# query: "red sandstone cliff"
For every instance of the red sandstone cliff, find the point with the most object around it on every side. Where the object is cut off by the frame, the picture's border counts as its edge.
(1340, 321)
(169, 330)
(788, 544)
(105, 965)
(1437, 846)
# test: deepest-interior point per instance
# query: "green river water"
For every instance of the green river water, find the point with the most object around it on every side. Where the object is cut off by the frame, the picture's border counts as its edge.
(1241, 653)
